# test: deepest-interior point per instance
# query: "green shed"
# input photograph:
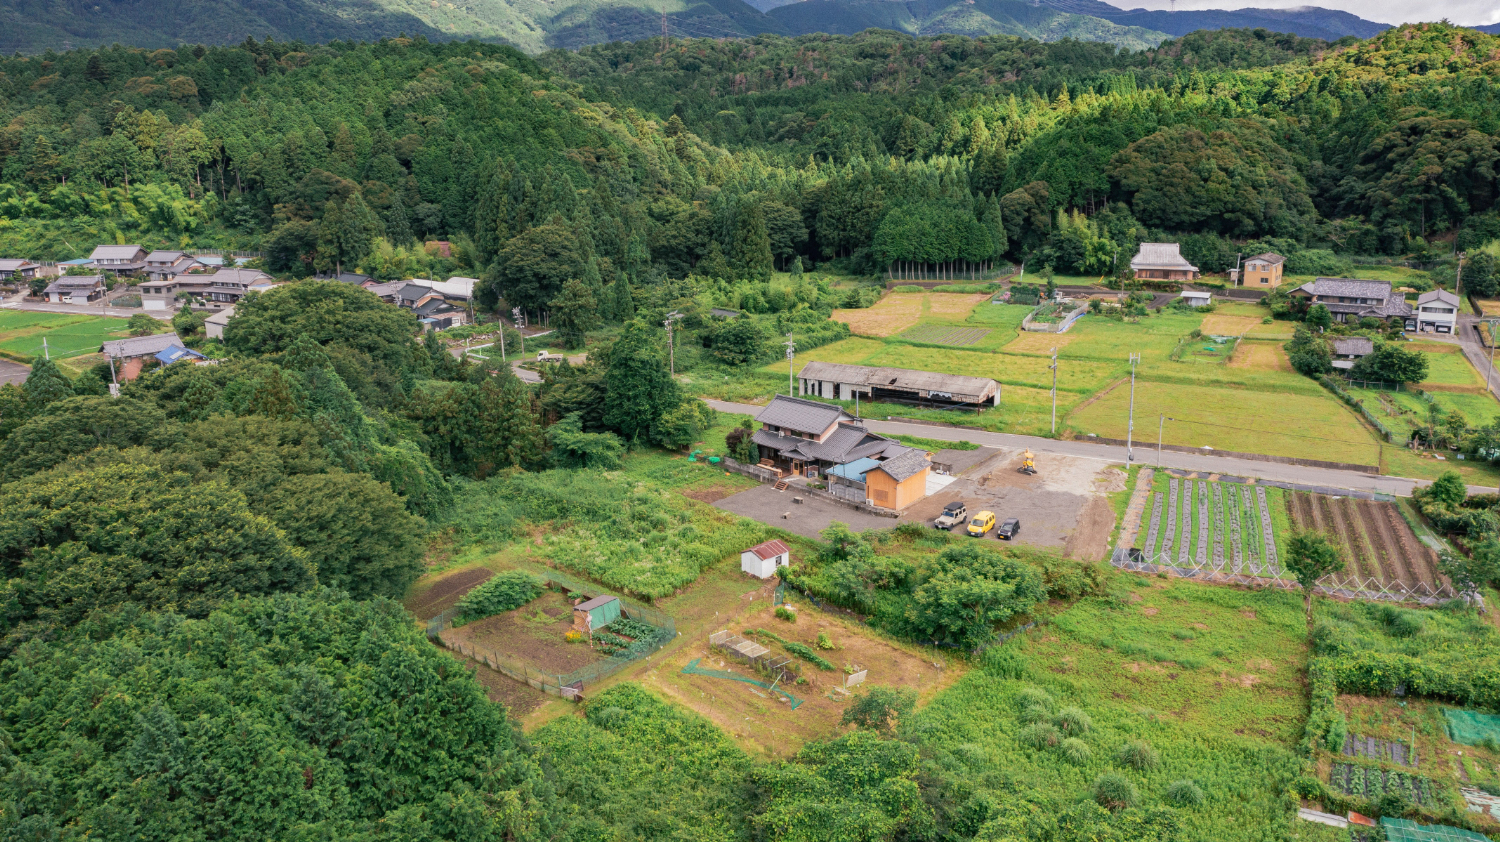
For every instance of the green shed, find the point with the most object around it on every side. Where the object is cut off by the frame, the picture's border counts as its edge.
(596, 613)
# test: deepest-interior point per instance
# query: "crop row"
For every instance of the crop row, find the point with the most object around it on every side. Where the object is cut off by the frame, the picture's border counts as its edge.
(1194, 520)
(1371, 782)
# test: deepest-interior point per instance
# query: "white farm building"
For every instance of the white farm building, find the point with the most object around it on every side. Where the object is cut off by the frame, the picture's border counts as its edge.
(762, 560)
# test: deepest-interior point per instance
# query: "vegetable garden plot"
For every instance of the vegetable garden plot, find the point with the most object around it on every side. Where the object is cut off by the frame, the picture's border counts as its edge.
(1202, 555)
(1369, 748)
(957, 337)
(1372, 782)
(1381, 551)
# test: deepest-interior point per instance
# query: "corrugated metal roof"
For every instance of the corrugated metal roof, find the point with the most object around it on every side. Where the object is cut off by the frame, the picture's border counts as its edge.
(976, 388)
(595, 603)
(906, 465)
(1160, 256)
(769, 549)
(802, 415)
(140, 346)
(855, 470)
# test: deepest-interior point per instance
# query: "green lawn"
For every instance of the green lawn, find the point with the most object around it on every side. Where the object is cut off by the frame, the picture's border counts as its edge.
(21, 333)
(1447, 365)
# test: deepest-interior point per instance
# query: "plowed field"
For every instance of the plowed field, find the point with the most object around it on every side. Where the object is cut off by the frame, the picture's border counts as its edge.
(1377, 543)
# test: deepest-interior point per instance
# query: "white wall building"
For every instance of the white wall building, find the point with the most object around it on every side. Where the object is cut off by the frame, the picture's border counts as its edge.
(762, 560)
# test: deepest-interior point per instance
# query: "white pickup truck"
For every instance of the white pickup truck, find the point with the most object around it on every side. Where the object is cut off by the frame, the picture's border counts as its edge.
(953, 514)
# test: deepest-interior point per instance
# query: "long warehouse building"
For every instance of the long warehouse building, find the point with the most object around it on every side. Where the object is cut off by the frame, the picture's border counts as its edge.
(840, 381)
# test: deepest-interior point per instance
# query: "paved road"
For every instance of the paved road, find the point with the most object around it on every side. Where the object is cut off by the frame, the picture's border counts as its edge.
(1144, 454)
(73, 310)
(13, 372)
(1478, 355)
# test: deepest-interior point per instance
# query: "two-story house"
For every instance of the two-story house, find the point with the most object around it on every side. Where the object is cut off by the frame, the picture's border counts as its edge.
(118, 260)
(166, 265)
(1437, 311)
(1350, 299)
(1263, 271)
(227, 286)
(806, 437)
(17, 271)
(1162, 262)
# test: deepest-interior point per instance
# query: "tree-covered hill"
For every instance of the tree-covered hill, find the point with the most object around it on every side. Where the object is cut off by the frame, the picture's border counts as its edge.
(960, 17)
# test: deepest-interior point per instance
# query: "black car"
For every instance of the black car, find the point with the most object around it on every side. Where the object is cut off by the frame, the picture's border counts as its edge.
(1008, 529)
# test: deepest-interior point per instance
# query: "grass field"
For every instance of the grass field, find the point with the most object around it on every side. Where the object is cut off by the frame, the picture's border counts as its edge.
(67, 335)
(1210, 678)
(1296, 425)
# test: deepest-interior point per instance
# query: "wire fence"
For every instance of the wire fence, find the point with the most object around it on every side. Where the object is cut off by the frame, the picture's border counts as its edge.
(1347, 586)
(567, 685)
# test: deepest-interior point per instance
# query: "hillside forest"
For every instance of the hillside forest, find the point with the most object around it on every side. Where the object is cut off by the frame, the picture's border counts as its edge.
(199, 632)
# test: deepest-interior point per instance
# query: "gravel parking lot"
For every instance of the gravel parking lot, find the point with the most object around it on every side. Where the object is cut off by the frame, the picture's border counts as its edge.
(1061, 506)
(765, 504)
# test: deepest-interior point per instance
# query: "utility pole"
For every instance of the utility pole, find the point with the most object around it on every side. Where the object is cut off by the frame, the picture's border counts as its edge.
(502, 340)
(1237, 257)
(671, 346)
(46, 353)
(1054, 390)
(664, 41)
(1490, 326)
(1130, 426)
(1160, 423)
(1458, 284)
(791, 354)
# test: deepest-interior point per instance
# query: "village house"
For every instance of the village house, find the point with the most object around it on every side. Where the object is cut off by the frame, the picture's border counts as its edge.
(118, 260)
(1348, 350)
(76, 289)
(166, 265)
(816, 440)
(1437, 312)
(213, 326)
(17, 271)
(227, 286)
(1263, 271)
(1162, 262)
(840, 381)
(130, 355)
(1350, 299)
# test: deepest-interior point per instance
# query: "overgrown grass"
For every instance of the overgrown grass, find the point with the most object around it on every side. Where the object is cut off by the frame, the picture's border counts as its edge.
(1208, 678)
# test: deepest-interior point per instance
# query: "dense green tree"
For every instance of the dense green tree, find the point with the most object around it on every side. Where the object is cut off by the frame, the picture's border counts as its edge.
(142, 325)
(1308, 353)
(573, 448)
(1391, 363)
(966, 591)
(574, 312)
(77, 425)
(44, 385)
(534, 265)
(271, 718)
(355, 531)
(1310, 556)
(739, 342)
(74, 542)
(859, 788)
(639, 388)
(880, 709)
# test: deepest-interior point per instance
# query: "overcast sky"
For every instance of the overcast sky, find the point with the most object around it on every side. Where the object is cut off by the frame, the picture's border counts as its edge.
(1467, 12)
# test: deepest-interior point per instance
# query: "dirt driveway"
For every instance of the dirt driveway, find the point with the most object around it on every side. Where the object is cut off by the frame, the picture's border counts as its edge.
(1062, 506)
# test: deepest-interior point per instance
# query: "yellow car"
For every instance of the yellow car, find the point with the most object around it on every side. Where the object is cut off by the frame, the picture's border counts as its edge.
(981, 523)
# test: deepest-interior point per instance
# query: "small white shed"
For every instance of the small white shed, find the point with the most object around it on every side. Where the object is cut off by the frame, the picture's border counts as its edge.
(1194, 298)
(762, 560)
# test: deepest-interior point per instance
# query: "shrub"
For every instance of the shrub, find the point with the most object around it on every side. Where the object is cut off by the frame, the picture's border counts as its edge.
(1076, 751)
(807, 653)
(1034, 697)
(1040, 735)
(1338, 730)
(1184, 794)
(784, 613)
(1113, 792)
(1072, 721)
(880, 708)
(1004, 663)
(498, 594)
(825, 642)
(1138, 755)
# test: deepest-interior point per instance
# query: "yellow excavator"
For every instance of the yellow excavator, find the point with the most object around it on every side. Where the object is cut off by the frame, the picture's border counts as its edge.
(1028, 463)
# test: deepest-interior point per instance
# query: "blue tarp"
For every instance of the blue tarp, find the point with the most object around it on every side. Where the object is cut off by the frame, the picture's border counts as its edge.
(172, 354)
(854, 471)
